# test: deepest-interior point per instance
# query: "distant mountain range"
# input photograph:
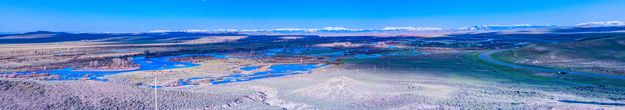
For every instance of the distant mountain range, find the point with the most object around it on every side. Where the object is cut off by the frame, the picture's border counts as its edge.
(9, 33)
(167, 35)
(510, 27)
(581, 27)
(602, 24)
(519, 27)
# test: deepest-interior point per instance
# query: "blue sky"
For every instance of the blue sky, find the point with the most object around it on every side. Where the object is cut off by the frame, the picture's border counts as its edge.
(146, 15)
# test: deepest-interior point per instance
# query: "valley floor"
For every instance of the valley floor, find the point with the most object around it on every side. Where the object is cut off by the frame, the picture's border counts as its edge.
(443, 80)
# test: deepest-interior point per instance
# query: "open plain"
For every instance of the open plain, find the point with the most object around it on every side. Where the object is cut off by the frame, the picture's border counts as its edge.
(180, 70)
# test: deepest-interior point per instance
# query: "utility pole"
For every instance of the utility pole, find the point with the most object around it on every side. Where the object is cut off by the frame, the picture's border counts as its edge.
(375, 68)
(155, 94)
(357, 74)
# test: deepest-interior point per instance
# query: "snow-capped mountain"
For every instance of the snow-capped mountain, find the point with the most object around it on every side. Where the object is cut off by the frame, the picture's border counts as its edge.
(605, 24)
(508, 27)
(325, 29)
(291, 30)
(189, 30)
(602, 24)
(412, 29)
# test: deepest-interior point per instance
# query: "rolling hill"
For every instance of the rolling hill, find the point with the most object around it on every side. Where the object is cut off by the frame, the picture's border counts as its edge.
(604, 54)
